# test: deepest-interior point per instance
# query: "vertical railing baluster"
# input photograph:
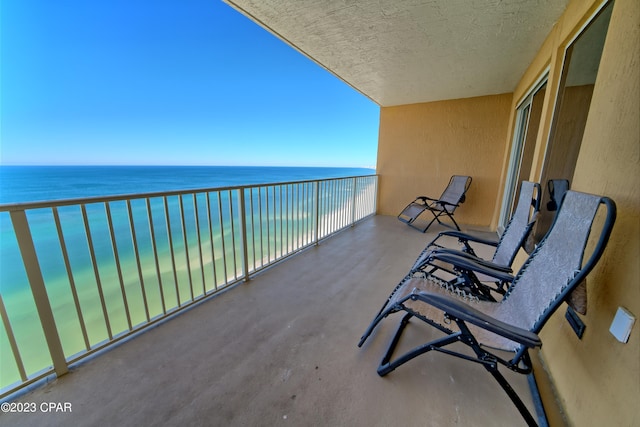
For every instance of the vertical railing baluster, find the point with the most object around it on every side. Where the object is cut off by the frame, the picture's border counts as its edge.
(94, 263)
(275, 223)
(316, 189)
(268, 226)
(309, 213)
(12, 341)
(321, 208)
(294, 218)
(171, 249)
(243, 225)
(336, 204)
(281, 217)
(260, 226)
(302, 224)
(197, 215)
(136, 251)
(304, 214)
(114, 247)
(287, 216)
(327, 207)
(300, 216)
(253, 229)
(39, 291)
(353, 205)
(154, 246)
(347, 204)
(338, 207)
(332, 209)
(185, 241)
(72, 283)
(224, 249)
(213, 250)
(233, 235)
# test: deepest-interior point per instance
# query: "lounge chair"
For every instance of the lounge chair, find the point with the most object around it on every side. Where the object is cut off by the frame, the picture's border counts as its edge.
(431, 260)
(578, 299)
(446, 205)
(546, 279)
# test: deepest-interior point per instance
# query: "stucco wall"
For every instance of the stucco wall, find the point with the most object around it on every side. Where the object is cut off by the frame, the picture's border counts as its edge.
(421, 145)
(598, 378)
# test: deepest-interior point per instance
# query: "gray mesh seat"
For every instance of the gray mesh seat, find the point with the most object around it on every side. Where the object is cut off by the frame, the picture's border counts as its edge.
(431, 263)
(446, 205)
(546, 279)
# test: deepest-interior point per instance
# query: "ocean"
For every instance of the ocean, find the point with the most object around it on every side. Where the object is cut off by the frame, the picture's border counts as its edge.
(36, 183)
(170, 250)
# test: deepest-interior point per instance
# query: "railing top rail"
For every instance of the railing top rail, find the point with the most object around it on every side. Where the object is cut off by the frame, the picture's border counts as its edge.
(9, 207)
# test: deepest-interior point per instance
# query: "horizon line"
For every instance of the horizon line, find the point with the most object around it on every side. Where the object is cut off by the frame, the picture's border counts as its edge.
(172, 165)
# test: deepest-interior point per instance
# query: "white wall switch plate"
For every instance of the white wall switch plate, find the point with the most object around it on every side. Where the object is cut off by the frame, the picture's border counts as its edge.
(622, 324)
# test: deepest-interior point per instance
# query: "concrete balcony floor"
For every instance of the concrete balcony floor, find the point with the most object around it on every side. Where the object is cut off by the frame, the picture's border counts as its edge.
(281, 350)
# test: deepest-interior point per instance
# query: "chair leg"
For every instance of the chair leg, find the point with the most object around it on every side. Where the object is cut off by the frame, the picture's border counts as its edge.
(454, 221)
(387, 366)
(435, 218)
(493, 370)
(378, 317)
(485, 359)
(491, 364)
(370, 329)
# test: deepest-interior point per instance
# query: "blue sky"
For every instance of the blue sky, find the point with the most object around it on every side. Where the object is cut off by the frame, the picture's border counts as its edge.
(189, 82)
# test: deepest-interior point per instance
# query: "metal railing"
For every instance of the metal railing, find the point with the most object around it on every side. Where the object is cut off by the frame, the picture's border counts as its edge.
(80, 275)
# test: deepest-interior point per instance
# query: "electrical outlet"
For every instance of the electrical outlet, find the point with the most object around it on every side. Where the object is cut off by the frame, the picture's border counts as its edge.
(622, 324)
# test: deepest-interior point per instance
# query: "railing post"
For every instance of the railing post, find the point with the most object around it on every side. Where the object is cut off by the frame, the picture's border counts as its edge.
(39, 291)
(243, 225)
(375, 195)
(353, 204)
(317, 214)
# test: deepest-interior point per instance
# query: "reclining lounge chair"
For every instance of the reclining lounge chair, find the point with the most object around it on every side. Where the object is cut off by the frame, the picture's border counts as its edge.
(446, 205)
(546, 279)
(430, 262)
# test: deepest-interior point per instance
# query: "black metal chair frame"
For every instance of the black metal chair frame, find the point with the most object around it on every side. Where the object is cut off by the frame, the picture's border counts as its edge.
(449, 260)
(456, 310)
(438, 207)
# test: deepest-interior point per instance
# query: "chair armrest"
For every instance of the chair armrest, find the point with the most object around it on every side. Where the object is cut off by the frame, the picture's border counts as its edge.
(459, 310)
(442, 254)
(475, 264)
(468, 237)
(443, 203)
(425, 198)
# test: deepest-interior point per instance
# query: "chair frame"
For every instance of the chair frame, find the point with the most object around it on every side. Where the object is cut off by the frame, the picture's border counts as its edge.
(437, 207)
(462, 314)
(440, 257)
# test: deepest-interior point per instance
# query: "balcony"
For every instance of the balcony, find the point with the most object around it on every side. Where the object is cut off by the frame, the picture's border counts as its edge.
(280, 348)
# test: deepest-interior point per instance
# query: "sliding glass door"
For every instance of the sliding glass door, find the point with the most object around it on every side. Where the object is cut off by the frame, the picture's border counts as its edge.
(528, 116)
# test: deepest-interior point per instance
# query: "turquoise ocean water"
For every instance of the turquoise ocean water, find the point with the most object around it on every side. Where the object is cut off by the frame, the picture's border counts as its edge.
(35, 183)
(173, 287)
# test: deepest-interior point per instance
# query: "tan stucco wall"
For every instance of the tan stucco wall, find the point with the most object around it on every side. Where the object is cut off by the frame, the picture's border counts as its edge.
(598, 378)
(421, 145)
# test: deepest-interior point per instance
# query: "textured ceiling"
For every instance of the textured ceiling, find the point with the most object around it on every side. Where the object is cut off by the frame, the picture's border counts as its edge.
(409, 51)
